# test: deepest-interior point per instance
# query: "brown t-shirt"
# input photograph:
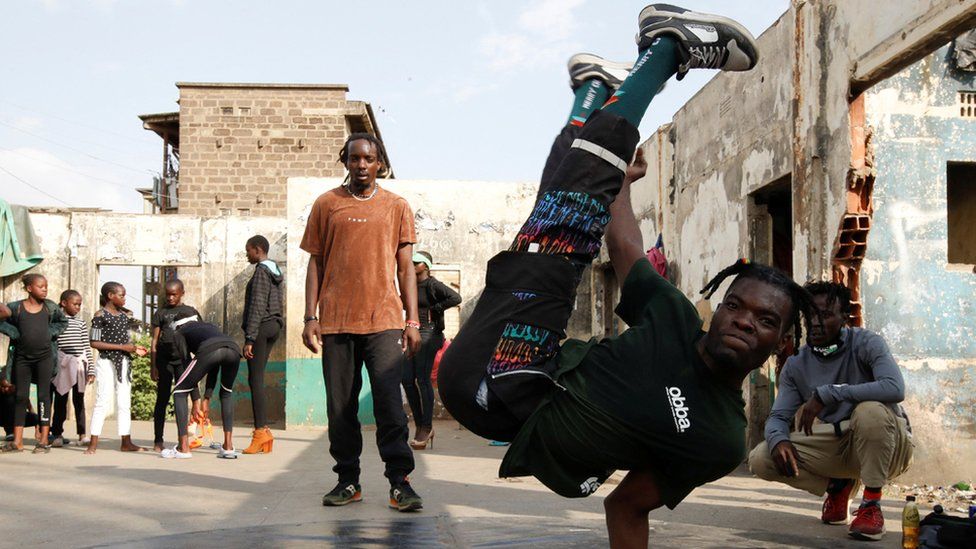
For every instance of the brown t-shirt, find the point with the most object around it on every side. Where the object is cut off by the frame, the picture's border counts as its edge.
(358, 241)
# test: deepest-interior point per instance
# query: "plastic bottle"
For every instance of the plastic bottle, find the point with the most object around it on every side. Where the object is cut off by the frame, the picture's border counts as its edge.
(909, 524)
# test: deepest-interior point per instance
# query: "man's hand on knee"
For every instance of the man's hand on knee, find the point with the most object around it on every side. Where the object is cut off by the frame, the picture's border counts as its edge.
(786, 460)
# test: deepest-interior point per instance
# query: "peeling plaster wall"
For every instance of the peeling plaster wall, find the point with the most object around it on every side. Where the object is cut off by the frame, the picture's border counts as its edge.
(209, 256)
(924, 308)
(731, 139)
(791, 116)
(462, 223)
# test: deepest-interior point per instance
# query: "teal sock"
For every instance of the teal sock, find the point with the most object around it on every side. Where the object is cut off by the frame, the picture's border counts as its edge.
(654, 67)
(589, 97)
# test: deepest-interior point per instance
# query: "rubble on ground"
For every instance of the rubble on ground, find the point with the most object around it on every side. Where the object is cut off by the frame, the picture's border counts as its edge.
(952, 498)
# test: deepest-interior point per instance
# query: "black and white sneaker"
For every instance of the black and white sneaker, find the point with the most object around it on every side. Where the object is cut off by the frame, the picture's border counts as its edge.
(586, 66)
(403, 498)
(706, 41)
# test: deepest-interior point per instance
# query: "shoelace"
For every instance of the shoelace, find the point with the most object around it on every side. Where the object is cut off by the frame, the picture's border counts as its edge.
(707, 57)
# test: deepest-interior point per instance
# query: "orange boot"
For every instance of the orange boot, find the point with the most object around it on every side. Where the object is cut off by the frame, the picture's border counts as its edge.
(261, 442)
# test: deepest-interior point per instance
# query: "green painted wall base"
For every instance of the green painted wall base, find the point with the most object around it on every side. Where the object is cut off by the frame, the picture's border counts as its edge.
(305, 395)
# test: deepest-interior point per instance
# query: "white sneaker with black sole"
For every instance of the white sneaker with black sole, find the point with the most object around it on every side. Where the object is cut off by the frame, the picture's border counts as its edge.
(705, 41)
(586, 66)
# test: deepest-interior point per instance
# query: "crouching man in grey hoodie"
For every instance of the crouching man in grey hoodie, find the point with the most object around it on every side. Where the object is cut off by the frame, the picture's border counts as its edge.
(847, 378)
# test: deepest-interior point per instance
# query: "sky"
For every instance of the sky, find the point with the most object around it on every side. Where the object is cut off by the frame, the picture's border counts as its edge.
(462, 90)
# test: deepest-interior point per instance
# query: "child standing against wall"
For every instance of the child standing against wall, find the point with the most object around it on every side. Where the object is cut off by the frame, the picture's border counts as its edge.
(113, 370)
(76, 369)
(33, 328)
(166, 367)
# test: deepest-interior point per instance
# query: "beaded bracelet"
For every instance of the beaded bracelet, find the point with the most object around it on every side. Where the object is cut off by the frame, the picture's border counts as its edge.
(413, 324)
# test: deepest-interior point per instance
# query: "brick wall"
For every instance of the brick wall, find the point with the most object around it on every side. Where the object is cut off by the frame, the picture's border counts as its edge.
(239, 144)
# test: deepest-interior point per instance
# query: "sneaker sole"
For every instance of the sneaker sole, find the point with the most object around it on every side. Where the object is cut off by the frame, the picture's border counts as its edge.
(415, 506)
(597, 61)
(696, 17)
(868, 537)
(354, 499)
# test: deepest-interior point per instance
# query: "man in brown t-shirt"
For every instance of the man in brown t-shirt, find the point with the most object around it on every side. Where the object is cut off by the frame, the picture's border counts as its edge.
(358, 235)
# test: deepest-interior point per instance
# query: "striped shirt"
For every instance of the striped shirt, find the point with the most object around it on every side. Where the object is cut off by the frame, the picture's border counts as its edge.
(74, 341)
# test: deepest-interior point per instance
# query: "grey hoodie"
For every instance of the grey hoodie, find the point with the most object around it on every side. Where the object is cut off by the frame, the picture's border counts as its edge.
(262, 299)
(862, 370)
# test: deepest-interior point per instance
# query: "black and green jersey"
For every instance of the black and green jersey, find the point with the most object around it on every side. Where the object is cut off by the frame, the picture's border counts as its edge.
(642, 400)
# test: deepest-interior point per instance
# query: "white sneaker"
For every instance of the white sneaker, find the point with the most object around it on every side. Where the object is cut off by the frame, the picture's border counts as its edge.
(173, 453)
(227, 454)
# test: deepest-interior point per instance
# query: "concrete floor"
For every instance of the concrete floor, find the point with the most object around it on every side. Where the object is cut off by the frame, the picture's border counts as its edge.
(139, 500)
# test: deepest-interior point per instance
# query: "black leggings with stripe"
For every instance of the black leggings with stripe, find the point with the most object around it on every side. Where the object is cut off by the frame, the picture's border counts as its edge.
(227, 361)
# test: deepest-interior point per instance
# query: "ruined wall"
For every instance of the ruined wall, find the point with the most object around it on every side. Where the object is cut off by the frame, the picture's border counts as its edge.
(208, 254)
(922, 305)
(240, 143)
(790, 116)
(461, 223)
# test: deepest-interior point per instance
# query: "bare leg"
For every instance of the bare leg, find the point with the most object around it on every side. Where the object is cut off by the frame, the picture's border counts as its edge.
(19, 437)
(92, 446)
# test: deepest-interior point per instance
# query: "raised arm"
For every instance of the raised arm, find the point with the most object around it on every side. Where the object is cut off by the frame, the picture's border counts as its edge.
(624, 241)
(311, 334)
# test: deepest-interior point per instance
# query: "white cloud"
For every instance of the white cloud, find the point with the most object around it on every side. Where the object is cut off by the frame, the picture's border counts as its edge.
(28, 122)
(542, 37)
(64, 180)
(550, 19)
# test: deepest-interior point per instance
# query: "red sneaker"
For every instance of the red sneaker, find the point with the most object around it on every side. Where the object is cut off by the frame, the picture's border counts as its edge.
(868, 522)
(836, 508)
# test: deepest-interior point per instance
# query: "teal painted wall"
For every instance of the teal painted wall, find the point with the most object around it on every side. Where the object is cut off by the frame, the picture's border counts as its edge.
(305, 394)
(923, 308)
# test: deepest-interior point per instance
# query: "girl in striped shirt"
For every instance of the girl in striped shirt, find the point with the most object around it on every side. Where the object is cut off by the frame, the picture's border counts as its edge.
(76, 372)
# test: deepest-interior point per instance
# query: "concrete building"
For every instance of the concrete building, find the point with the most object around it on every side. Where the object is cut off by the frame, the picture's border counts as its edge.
(831, 160)
(231, 147)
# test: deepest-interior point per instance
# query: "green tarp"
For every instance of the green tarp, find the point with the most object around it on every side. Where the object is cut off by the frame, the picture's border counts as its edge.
(18, 246)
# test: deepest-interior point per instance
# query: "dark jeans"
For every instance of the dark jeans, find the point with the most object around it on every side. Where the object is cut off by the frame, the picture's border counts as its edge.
(342, 359)
(61, 411)
(168, 367)
(38, 370)
(416, 377)
(504, 359)
(267, 336)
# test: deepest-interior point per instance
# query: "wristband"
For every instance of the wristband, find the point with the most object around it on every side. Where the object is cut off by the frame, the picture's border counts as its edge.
(413, 324)
(310, 318)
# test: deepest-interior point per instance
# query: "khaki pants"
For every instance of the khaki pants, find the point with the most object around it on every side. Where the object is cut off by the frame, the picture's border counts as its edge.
(874, 447)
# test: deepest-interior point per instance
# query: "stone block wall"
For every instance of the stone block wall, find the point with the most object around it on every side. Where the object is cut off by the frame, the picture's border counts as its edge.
(240, 143)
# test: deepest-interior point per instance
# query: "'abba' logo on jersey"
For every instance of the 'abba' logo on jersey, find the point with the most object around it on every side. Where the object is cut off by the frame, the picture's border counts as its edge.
(678, 409)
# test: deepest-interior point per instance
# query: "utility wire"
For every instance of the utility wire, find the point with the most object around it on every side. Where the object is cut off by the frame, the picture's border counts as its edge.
(80, 124)
(42, 191)
(75, 149)
(76, 172)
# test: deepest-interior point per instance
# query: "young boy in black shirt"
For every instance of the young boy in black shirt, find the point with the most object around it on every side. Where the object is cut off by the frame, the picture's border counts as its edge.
(165, 366)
